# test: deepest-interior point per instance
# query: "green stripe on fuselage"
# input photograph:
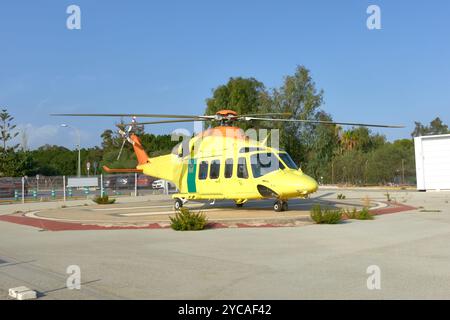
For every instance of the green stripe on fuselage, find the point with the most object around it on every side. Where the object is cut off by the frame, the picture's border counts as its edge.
(192, 173)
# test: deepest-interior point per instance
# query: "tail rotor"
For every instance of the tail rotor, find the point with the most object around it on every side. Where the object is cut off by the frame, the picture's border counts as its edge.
(126, 135)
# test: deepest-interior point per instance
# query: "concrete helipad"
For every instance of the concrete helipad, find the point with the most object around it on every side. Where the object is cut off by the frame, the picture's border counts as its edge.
(156, 213)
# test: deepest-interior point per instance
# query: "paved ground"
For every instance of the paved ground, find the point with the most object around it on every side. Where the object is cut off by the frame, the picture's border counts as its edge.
(314, 261)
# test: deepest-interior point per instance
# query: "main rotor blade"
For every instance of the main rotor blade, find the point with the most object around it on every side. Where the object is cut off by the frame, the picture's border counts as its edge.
(189, 118)
(142, 115)
(326, 122)
(174, 116)
(169, 121)
(121, 149)
(281, 114)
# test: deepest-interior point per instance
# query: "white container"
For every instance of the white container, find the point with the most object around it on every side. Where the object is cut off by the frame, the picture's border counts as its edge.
(433, 162)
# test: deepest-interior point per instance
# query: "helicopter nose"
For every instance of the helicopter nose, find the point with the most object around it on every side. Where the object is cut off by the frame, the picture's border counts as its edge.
(292, 184)
(309, 185)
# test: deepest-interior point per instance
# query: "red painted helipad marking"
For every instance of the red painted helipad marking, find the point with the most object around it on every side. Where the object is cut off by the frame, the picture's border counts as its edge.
(52, 225)
(393, 207)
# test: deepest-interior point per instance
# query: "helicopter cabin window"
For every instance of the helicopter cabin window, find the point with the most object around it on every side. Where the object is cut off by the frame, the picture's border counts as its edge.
(264, 163)
(228, 168)
(242, 171)
(288, 160)
(215, 169)
(203, 170)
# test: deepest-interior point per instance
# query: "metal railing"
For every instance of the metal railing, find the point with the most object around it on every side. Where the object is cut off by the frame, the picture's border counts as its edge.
(43, 188)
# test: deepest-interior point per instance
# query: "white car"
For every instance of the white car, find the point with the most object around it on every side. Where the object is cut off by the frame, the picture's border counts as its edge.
(158, 184)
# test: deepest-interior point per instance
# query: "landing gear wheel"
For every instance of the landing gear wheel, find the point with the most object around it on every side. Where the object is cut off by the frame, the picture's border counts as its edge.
(239, 205)
(278, 206)
(178, 204)
(285, 207)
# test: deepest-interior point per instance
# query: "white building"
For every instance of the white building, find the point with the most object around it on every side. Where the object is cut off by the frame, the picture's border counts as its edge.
(433, 162)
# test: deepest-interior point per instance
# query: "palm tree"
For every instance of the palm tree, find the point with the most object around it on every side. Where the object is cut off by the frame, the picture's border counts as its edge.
(349, 140)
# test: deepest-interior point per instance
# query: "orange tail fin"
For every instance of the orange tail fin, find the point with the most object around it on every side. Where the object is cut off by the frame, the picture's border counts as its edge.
(141, 155)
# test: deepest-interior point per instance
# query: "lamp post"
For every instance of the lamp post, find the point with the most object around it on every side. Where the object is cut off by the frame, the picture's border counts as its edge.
(78, 147)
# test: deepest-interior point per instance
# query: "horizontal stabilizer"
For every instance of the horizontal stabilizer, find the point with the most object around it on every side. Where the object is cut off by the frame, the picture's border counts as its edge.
(109, 170)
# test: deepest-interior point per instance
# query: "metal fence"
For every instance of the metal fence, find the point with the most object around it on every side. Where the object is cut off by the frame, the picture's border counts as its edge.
(42, 188)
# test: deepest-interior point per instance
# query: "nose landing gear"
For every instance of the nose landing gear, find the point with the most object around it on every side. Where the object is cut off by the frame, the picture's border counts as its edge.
(178, 204)
(280, 205)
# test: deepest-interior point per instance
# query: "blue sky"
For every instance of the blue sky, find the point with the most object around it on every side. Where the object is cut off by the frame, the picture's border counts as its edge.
(167, 56)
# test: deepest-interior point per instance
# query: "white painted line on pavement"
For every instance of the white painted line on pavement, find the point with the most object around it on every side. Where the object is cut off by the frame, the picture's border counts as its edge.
(160, 213)
(130, 208)
(133, 208)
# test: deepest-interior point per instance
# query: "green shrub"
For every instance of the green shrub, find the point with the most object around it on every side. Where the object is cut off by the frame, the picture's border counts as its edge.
(103, 200)
(341, 196)
(185, 220)
(351, 214)
(364, 214)
(325, 216)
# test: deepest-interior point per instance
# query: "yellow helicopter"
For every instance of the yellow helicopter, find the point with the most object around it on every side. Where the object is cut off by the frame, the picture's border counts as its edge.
(223, 162)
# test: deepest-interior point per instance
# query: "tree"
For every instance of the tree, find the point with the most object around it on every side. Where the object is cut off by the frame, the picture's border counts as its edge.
(391, 163)
(299, 97)
(349, 167)
(7, 131)
(107, 139)
(436, 127)
(360, 138)
(243, 95)
(348, 141)
(127, 159)
(323, 146)
(10, 162)
(157, 144)
(53, 160)
(15, 164)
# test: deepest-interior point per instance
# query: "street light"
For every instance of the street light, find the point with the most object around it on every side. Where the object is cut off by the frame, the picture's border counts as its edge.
(78, 146)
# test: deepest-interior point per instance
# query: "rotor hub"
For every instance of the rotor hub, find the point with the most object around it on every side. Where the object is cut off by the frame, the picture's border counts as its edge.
(226, 117)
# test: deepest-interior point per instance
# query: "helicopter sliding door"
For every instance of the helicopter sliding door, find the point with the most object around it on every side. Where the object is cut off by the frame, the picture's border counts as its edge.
(215, 185)
(243, 184)
(208, 183)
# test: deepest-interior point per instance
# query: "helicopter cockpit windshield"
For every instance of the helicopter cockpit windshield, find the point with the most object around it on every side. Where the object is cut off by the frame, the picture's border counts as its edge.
(264, 163)
(286, 158)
